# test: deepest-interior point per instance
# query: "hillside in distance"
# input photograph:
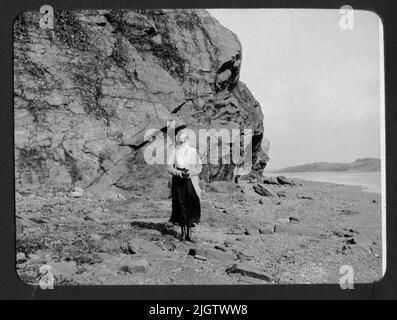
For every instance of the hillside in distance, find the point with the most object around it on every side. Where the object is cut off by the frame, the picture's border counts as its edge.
(363, 165)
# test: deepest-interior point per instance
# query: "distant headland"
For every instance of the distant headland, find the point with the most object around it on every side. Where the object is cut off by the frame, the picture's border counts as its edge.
(361, 165)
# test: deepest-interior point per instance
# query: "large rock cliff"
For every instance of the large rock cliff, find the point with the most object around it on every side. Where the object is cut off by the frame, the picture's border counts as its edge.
(86, 92)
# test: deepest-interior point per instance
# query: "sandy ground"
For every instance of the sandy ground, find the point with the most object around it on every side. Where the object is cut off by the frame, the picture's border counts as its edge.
(301, 234)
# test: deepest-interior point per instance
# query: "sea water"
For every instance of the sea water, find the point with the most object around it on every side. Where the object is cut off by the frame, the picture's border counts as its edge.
(370, 181)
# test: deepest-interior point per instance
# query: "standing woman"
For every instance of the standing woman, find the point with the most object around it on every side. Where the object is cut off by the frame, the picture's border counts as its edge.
(184, 165)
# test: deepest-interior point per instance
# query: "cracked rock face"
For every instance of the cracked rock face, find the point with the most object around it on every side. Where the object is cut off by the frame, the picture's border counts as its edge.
(86, 92)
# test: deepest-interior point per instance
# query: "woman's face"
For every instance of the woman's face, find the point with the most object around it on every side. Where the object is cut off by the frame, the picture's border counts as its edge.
(182, 138)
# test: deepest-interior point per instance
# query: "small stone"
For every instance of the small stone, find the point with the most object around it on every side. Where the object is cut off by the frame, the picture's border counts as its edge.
(276, 202)
(211, 254)
(269, 180)
(127, 249)
(120, 197)
(344, 233)
(281, 194)
(220, 248)
(305, 197)
(347, 212)
(251, 232)
(294, 219)
(351, 241)
(198, 257)
(284, 181)
(228, 243)
(244, 257)
(283, 221)
(269, 229)
(79, 190)
(75, 194)
(135, 266)
(265, 200)
(352, 231)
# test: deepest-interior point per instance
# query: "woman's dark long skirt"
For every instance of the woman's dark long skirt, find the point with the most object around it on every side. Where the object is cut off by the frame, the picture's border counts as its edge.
(186, 209)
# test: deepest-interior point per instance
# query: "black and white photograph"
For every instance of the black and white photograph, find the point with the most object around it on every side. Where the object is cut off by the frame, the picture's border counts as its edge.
(199, 147)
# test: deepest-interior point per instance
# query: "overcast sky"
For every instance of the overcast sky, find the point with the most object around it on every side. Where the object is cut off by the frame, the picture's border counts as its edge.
(318, 85)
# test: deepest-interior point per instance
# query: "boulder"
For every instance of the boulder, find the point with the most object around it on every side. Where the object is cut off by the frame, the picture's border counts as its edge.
(285, 181)
(263, 191)
(269, 180)
(248, 270)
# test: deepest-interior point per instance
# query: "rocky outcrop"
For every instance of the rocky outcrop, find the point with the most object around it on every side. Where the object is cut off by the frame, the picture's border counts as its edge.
(87, 91)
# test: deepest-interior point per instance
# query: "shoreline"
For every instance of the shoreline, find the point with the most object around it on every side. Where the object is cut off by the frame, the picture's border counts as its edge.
(335, 184)
(301, 176)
